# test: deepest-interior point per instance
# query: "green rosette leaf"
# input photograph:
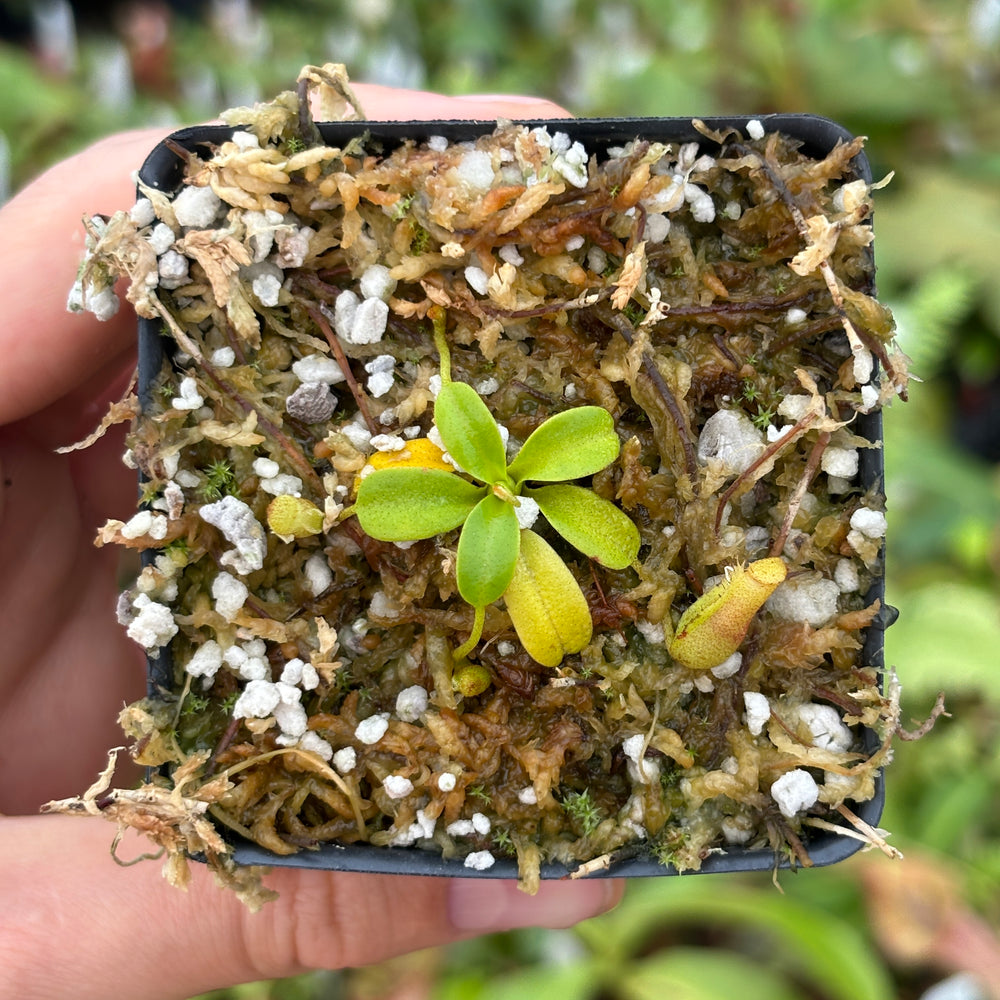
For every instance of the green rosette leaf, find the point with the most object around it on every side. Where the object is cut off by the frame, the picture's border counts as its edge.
(400, 505)
(487, 551)
(589, 523)
(469, 432)
(571, 444)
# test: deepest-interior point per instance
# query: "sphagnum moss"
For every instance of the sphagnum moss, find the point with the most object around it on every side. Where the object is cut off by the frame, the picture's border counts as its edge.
(358, 321)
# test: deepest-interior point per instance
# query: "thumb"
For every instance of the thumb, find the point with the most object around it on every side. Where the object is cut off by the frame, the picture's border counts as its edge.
(76, 922)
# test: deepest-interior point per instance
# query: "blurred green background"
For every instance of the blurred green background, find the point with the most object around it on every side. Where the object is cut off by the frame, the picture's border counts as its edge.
(922, 80)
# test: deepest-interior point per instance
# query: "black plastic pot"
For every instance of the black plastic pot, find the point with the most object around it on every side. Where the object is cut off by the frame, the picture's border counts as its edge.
(164, 170)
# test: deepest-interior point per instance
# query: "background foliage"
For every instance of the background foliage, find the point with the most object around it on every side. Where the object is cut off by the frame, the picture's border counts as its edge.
(921, 78)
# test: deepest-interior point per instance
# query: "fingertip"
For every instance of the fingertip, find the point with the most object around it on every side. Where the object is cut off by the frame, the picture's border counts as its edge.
(390, 104)
(518, 105)
(489, 906)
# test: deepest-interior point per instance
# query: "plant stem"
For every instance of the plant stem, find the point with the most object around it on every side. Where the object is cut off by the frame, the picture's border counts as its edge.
(474, 637)
(438, 318)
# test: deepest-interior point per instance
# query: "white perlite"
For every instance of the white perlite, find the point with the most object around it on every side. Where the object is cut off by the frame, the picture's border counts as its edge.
(422, 828)
(223, 357)
(478, 279)
(526, 511)
(299, 672)
(369, 321)
(808, 599)
(266, 468)
(758, 711)
(377, 283)
(642, 770)
(842, 462)
(258, 700)
(161, 239)
(397, 786)
(657, 228)
(145, 522)
(230, 594)
(188, 397)
(196, 207)
(475, 169)
(845, 575)
(267, 288)
(172, 268)
(825, 726)
(794, 406)
(728, 667)
(372, 729)
(318, 368)
(447, 782)
(206, 660)
(479, 861)
(154, 625)
(241, 529)
(345, 760)
(315, 743)
(249, 660)
(142, 213)
(730, 437)
(319, 576)
(871, 523)
(411, 703)
(289, 713)
(794, 791)
(380, 374)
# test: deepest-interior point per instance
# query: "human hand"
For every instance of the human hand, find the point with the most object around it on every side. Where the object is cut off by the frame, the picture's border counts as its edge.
(74, 923)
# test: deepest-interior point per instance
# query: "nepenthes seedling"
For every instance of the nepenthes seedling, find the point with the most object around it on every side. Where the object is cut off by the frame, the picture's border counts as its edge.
(498, 553)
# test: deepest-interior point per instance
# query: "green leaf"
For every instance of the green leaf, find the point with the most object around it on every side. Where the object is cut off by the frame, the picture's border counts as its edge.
(487, 551)
(574, 981)
(545, 603)
(469, 432)
(703, 974)
(836, 956)
(590, 523)
(399, 505)
(571, 444)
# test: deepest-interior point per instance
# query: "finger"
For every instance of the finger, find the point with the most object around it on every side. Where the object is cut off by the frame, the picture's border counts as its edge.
(64, 885)
(388, 104)
(45, 351)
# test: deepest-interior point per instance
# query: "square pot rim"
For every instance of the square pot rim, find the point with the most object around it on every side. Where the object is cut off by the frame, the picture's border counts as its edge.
(163, 170)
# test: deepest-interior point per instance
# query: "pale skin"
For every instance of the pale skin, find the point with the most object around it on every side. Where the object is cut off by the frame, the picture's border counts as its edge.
(73, 923)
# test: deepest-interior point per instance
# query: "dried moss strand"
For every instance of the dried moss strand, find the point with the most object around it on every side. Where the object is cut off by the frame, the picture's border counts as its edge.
(338, 352)
(825, 267)
(621, 324)
(294, 453)
(271, 430)
(795, 501)
(766, 455)
(307, 131)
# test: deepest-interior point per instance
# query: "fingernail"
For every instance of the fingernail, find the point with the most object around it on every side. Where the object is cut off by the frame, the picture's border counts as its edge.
(489, 906)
